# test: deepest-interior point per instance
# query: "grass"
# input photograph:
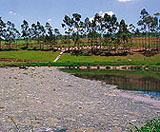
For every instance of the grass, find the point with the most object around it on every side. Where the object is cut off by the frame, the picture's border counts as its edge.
(151, 126)
(71, 60)
(31, 55)
(136, 59)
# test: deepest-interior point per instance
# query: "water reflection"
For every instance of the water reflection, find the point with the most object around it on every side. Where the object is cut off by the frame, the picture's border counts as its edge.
(147, 84)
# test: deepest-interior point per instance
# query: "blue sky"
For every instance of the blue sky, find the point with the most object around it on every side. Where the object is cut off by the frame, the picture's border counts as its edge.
(55, 10)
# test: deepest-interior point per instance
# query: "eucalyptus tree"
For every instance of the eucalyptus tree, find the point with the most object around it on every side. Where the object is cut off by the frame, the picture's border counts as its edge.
(108, 28)
(81, 30)
(73, 26)
(132, 29)
(33, 32)
(142, 22)
(57, 32)
(154, 26)
(99, 19)
(77, 27)
(93, 32)
(111, 26)
(148, 24)
(86, 28)
(132, 32)
(40, 33)
(25, 32)
(123, 32)
(11, 33)
(67, 25)
(2, 30)
(58, 35)
(50, 37)
(157, 15)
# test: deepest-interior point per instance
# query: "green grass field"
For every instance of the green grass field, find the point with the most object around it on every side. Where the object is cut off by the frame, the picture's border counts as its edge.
(68, 59)
(136, 59)
(31, 55)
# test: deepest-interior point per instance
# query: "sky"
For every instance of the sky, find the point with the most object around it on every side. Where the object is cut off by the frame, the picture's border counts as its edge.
(53, 11)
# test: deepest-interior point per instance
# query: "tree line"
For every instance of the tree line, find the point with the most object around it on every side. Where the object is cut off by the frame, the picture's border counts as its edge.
(102, 29)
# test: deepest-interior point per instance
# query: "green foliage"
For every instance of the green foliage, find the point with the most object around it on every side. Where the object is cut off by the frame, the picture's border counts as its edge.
(151, 126)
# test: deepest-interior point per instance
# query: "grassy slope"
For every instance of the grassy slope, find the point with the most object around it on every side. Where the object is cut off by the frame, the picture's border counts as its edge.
(32, 55)
(136, 59)
(68, 59)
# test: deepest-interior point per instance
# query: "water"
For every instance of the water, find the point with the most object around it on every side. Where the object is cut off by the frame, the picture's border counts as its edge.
(143, 81)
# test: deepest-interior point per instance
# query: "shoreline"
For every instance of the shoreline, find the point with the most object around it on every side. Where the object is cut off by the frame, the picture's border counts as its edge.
(56, 100)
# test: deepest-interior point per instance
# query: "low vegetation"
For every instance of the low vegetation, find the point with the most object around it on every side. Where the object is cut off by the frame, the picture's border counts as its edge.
(42, 56)
(46, 58)
(151, 126)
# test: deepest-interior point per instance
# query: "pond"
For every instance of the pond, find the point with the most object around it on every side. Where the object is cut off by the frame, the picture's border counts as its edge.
(147, 82)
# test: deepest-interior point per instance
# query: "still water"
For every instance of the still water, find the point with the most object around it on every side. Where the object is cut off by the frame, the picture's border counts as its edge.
(143, 81)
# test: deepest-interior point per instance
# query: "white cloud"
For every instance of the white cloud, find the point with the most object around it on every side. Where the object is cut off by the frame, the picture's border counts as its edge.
(49, 19)
(12, 13)
(101, 13)
(108, 12)
(124, 0)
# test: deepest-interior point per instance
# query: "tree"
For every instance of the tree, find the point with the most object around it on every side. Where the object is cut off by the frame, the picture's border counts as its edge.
(11, 33)
(67, 25)
(132, 28)
(2, 30)
(50, 37)
(86, 28)
(73, 26)
(93, 32)
(99, 19)
(25, 32)
(57, 34)
(142, 22)
(158, 15)
(111, 26)
(123, 32)
(132, 32)
(148, 24)
(40, 33)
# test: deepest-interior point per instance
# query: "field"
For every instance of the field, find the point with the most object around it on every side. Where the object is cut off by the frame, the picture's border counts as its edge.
(67, 59)
(42, 56)
(135, 59)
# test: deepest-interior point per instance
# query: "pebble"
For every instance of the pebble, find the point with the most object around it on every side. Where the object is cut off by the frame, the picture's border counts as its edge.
(54, 101)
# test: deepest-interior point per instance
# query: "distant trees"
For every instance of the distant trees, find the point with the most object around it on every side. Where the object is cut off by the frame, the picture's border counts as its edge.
(11, 33)
(25, 33)
(148, 26)
(111, 27)
(147, 22)
(73, 26)
(50, 37)
(2, 30)
(123, 32)
(101, 29)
